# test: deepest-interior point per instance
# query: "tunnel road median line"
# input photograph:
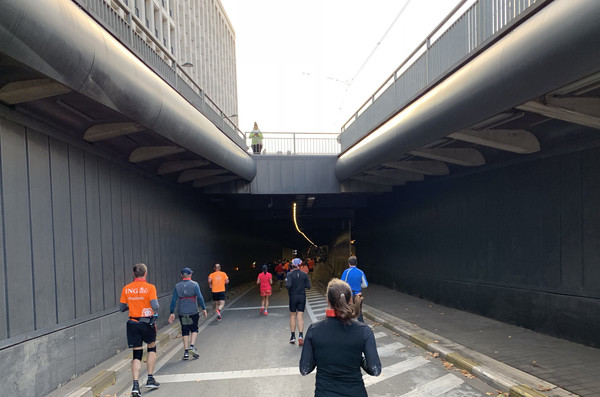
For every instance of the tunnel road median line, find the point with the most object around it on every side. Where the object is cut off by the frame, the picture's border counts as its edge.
(493, 372)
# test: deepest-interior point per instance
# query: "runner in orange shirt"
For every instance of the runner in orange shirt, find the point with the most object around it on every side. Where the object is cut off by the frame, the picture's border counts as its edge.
(216, 282)
(139, 297)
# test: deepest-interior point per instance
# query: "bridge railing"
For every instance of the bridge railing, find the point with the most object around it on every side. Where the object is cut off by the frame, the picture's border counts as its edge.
(297, 143)
(121, 24)
(451, 42)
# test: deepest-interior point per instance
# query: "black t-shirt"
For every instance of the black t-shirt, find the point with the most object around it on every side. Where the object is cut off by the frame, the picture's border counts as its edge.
(336, 350)
(297, 282)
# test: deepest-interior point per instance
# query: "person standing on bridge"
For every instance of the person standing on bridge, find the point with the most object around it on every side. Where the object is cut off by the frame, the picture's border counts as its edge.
(265, 279)
(216, 282)
(339, 347)
(297, 282)
(186, 297)
(139, 297)
(357, 280)
(257, 138)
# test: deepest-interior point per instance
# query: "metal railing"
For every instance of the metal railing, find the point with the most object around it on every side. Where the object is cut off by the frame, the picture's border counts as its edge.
(296, 143)
(456, 37)
(122, 25)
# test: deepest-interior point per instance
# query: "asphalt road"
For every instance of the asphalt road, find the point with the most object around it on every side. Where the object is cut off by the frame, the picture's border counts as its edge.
(247, 354)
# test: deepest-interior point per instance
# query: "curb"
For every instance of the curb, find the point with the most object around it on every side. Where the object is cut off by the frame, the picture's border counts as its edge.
(493, 372)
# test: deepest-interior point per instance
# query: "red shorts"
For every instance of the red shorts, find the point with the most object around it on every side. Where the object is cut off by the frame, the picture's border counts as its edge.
(265, 293)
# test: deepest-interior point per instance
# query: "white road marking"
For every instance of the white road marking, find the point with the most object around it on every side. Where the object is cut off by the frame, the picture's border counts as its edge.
(253, 373)
(436, 387)
(256, 308)
(396, 369)
(389, 350)
(311, 314)
(379, 335)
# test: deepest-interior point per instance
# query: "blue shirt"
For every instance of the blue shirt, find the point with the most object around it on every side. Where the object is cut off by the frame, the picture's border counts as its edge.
(187, 292)
(354, 277)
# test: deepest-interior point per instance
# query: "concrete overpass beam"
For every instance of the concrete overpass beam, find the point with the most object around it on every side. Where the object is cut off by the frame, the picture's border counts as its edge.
(422, 166)
(190, 175)
(516, 141)
(174, 166)
(213, 180)
(467, 157)
(378, 180)
(400, 175)
(144, 153)
(583, 111)
(101, 132)
(30, 90)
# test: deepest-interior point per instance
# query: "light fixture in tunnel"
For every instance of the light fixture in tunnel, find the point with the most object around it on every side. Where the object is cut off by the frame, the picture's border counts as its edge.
(297, 228)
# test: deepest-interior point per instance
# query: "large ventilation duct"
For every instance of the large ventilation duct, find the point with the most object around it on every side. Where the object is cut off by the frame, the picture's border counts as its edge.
(59, 40)
(556, 46)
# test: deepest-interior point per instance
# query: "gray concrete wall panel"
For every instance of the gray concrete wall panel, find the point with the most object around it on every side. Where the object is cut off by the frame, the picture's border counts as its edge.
(38, 157)
(94, 235)
(106, 262)
(61, 231)
(519, 244)
(17, 227)
(295, 175)
(79, 232)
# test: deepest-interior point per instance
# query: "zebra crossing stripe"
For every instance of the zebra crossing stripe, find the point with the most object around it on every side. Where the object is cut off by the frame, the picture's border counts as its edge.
(395, 369)
(378, 335)
(436, 387)
(389, 350)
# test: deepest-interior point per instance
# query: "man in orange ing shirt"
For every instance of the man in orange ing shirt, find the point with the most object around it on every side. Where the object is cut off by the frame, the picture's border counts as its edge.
(216, 282)
(139, 297)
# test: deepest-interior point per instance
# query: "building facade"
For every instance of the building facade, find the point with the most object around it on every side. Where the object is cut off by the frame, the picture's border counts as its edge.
(194, 35)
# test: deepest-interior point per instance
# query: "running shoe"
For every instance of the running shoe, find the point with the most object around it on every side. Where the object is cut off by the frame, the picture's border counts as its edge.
(186, 356)
(266, 312)
(151, 383)
(292, 340)
(218, 315)
(262, 309)
(194, 352)
(135, 392)
(300, 341)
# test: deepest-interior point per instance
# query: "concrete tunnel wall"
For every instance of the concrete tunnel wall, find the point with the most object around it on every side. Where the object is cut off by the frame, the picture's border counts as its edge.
(73, 224)
(520, 244)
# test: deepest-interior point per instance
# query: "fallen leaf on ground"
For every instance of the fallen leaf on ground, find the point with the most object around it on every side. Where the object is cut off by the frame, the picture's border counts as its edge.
(467, 374)
(448, 365)
(544, 388)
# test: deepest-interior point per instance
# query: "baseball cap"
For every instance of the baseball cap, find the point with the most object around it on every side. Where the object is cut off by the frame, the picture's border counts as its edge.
(186, 270)
(296, 262)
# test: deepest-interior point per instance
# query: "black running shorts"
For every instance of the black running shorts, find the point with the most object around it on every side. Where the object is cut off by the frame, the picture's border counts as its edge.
(138, 333)
(186, 328)
(218, 296)
(297, 303)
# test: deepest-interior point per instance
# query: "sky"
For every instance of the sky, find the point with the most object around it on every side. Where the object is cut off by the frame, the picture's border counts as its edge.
(308, 66)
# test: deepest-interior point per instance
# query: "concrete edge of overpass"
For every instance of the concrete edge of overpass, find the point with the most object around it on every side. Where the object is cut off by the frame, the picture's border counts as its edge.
(493, 372)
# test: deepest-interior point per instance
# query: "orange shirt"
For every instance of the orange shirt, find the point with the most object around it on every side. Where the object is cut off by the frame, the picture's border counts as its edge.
(218, 281)
(137, 295)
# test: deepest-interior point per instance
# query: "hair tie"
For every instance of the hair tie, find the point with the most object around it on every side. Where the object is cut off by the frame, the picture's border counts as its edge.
(342, 296)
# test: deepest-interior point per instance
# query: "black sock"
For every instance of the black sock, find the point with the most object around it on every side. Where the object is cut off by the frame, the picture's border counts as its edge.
(301, 335)
(191, 346)
(136, 384)
(150, 376)
(293, 335)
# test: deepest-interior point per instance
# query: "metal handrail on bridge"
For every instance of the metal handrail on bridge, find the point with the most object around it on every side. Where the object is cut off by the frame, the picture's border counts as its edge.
(430, 59)
(297, 143)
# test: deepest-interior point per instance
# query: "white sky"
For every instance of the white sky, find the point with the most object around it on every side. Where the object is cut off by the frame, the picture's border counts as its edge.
(297, 61)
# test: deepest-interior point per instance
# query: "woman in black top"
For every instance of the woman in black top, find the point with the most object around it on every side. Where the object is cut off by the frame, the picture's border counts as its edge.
(336, 345)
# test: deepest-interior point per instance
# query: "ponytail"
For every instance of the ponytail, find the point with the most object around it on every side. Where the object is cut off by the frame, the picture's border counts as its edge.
(345, 305)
